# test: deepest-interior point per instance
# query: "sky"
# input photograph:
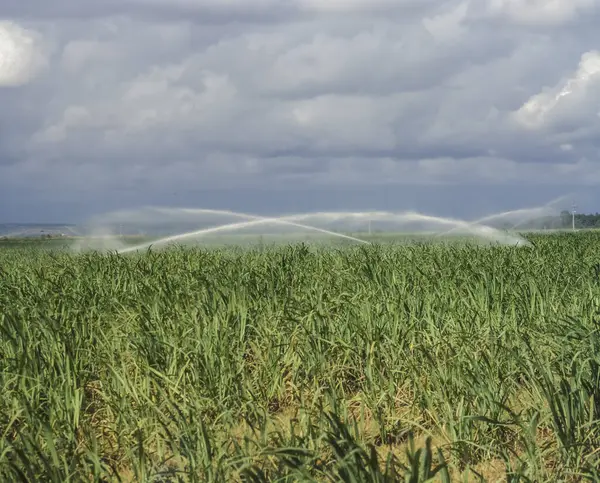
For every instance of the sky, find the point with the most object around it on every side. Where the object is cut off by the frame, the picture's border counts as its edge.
(457, 107)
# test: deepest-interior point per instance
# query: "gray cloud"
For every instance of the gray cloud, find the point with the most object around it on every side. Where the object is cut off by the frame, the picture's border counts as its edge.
(152, 97)
(211, 12)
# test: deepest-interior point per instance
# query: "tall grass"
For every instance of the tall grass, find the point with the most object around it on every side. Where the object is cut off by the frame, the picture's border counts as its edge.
(380, 363)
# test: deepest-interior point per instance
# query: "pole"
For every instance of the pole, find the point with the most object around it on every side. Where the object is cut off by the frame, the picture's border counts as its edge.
(573, 216)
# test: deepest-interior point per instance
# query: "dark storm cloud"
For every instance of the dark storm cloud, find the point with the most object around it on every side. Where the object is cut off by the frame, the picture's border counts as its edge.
(163, 11)
(156, 100)
(209, 12)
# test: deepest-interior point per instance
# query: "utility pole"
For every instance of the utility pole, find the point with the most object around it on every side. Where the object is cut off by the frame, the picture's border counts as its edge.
(573, 215)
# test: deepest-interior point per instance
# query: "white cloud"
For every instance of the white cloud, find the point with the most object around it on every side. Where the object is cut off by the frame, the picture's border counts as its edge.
(572, 96)
(20, 54)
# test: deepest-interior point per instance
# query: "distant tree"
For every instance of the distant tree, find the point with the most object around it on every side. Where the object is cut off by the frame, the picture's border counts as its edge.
(583, 220)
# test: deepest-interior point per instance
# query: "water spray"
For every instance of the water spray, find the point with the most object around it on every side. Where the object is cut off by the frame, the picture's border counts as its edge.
(324, 223)
(522, 216)
(232, 227)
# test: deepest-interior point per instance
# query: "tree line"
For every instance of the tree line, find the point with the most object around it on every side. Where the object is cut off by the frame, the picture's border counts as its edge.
(556, 222)
(582, 220)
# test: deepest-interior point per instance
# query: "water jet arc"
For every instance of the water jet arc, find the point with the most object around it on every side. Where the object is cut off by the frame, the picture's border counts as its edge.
(306, 222)
(523, 215)
(255, 221)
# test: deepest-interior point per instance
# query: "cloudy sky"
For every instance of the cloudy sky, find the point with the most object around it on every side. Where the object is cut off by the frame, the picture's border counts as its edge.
(451, 107)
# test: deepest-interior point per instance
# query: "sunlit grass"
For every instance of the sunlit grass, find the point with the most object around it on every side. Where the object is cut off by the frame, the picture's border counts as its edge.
(373, 363)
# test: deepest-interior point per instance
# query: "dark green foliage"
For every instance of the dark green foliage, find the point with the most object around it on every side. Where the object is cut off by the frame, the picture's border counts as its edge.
(380, 363)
